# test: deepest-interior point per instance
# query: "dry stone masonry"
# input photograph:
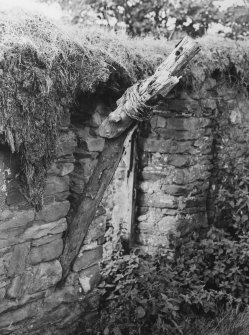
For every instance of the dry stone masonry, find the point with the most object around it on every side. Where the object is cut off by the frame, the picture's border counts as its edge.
(175, 189)
(174, 171)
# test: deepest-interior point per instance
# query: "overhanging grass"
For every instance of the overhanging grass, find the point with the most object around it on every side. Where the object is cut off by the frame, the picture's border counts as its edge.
(43, 66)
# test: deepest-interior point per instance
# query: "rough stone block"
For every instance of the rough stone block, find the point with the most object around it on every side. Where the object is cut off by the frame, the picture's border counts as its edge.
(208, 104)
(179, 135)
(55, 184)
(2, 293)
(77, 185)
(46, 252)
(44, 276)
(195, 173)
(39, 229)
(18, 315)
(172, 212)
(53, 212)
(178, 160)
(153, 241)
(59, 197)
(14, 195)
(6, 214)
(96, 229)
(101, 240)
(89, 278)
(81, 153)
(61, 168)
(45, 240)
(142, 217)
(158, 121)
(87, 165)
(18, 259)
(181, 105)
(66, 168)
(175, 189)
(154, 174)
(95, 144)
(166, 225)
(150, 186)
(88, 258)
(165, 146)
(10, 305)
(66, 295)
(157, 200)
(16, 290)
(20, 219)
(96, 120)
(146, 226)
(190, 124)
(4, 281)
(90, 246)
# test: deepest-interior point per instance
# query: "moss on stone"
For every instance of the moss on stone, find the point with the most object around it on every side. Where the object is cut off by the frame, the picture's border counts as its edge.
(43, 66)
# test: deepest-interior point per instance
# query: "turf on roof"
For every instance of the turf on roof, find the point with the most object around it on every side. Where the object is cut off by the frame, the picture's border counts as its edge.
(43, 67)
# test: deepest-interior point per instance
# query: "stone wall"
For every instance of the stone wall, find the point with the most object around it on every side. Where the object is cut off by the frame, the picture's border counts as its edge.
(175, 163)
(31, 243)
(175, 190)
(182, 155)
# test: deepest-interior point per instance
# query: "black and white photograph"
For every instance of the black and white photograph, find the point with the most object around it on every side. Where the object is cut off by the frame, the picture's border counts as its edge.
(124, 167)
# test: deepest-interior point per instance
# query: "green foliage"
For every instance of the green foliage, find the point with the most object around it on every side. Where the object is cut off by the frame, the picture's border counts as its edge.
(166, 18)
(207, 274)
(232, 202)
(217, 260)
(237, 19)
(204, 274)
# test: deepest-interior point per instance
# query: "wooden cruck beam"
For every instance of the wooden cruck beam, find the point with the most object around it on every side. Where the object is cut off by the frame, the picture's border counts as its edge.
(132, 107)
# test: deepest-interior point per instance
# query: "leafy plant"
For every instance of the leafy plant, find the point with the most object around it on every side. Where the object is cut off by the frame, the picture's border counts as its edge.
(142, 294)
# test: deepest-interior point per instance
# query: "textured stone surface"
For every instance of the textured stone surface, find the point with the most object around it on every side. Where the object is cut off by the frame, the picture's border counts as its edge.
(158, 200)
(175, 155)
(55, 184)
(14, 195)
(95, 144)
(45, 240)
(53, 212)
(20, 219)
(89, 278)
(35, 279)
(96, 229)
(5, 255)
(46, 252)
(44, 275)
(18, 315)
(18, 259)
(40, 229)
(175, 169)
(66, 168)
(17, 288)
(88, 258)
(166, 146)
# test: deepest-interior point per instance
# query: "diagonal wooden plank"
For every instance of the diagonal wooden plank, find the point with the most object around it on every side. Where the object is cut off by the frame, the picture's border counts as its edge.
(115, 129)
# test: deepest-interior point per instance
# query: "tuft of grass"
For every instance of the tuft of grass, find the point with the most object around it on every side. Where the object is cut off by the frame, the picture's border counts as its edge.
(231, 322)
(44, 66)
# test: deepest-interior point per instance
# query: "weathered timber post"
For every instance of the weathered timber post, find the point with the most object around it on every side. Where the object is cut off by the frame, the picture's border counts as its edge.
(133, 106)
